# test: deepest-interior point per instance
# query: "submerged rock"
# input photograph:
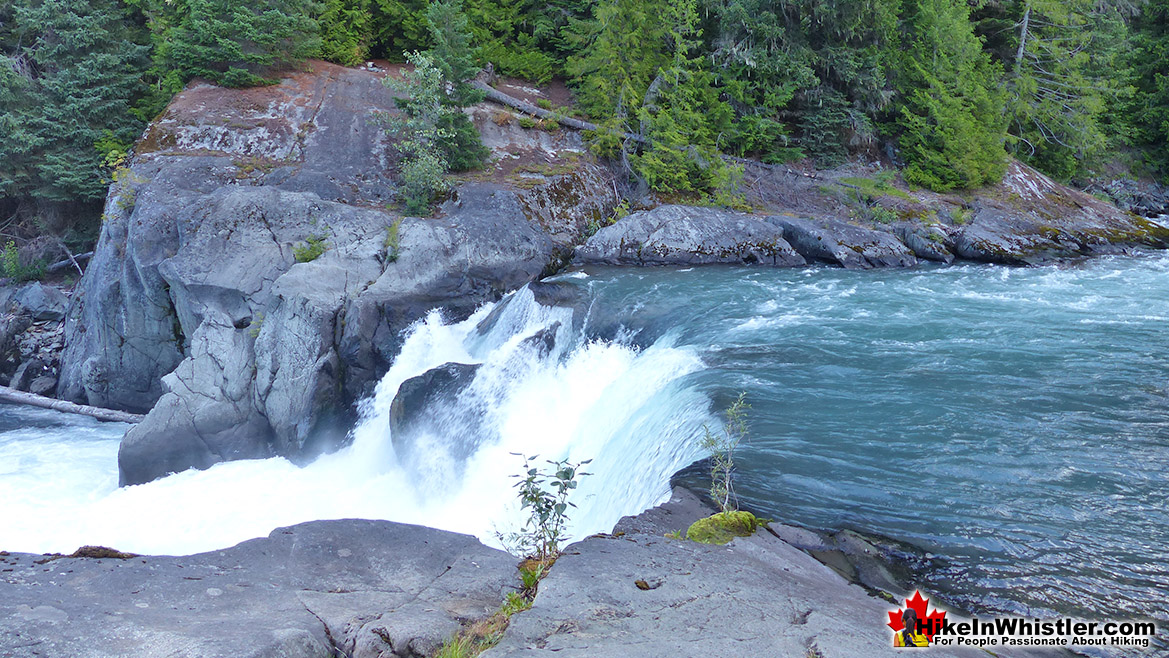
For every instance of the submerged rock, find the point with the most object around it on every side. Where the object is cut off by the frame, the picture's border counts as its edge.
(685, 235)
(420, 400)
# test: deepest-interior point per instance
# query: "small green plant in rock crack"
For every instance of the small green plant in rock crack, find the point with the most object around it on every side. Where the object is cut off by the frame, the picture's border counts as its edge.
(544, 494)
(310, 250)
(393, 241)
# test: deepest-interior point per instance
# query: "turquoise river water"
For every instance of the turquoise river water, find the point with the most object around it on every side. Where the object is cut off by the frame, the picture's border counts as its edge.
(1011, 424)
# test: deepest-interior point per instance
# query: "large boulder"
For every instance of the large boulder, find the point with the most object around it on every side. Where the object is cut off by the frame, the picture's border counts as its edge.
(363, 589)
(638, 594)
(41, 302)
(423, 400)
(686, 235)
(851, 247)
(926, 241)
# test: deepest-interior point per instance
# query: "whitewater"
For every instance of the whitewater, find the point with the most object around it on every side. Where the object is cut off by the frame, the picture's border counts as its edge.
(621, 406)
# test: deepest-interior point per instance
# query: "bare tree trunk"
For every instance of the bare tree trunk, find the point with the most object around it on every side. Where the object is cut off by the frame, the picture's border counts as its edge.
(1023, 38)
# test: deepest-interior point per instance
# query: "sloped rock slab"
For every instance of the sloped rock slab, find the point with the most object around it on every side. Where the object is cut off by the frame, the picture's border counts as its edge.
(365, 588)
(638, 594)
(684, 235)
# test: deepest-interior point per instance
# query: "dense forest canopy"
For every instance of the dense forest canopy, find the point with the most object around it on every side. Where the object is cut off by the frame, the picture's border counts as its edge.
(946, 89)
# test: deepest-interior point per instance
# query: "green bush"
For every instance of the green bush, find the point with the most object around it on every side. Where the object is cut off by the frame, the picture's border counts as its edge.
(392, 241)
(544, 493)
(310, 250)
(527, 122)
(11, 266)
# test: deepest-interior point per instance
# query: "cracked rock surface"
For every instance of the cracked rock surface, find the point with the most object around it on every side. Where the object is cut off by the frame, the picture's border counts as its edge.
(639, 594)
(363, 589)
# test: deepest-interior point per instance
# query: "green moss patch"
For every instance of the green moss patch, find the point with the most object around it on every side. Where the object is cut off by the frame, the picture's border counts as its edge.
(723, 527)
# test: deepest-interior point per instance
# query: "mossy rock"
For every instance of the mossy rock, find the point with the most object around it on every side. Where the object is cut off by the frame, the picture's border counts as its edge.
(722, 527)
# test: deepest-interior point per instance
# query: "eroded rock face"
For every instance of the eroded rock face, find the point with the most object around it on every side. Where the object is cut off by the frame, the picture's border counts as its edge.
(685, 235)
(368, 589)
(197, 306)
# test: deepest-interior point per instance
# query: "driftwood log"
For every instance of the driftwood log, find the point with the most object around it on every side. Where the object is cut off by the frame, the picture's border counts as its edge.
(20, 397)
(525, 107)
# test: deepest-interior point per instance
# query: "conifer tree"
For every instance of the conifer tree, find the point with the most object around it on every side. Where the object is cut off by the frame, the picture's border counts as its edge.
(235, 43)
(68, 84)
(399, 27)
(1149, 108)
(951, 114)
(1064, 69)
(346, 31)
(638, 76)
(435, 136)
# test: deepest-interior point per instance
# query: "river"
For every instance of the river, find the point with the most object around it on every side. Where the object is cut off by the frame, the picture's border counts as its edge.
(1012, 424)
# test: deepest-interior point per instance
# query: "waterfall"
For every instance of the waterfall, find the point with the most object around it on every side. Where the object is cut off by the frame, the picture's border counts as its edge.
(541, 386)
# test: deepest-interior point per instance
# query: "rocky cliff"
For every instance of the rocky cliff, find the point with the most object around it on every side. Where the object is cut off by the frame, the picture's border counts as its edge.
(204, 303)
(252, 280)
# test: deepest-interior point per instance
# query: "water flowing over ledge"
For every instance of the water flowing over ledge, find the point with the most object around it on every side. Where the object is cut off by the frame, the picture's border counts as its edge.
(625, 408)
(1010, 423)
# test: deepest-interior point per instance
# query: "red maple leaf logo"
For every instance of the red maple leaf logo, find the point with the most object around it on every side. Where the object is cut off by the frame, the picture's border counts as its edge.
(930, 624)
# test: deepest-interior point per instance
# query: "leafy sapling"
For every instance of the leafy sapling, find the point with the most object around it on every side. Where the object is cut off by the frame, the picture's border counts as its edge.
(544, 494)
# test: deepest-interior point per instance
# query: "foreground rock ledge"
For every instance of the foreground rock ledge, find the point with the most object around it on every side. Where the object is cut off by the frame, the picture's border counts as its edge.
(376, 589)
(364, 588)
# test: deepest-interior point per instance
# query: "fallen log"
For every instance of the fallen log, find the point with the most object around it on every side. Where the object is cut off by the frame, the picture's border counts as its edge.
(525, 107)
(20, 397)
(56, 267)
(539, 112)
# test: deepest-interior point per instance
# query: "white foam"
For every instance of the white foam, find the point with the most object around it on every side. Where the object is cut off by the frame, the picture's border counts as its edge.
(627, 409)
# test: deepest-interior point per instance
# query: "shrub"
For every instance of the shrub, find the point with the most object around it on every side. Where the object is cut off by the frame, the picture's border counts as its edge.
(11, 266)
(545, 495)
(544, 103)
(392, 240)
(310, 250)
(722, 446)
(527, 123)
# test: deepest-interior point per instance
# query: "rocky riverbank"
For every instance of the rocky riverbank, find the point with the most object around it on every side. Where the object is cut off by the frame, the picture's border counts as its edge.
(376, 589)
(252, 278)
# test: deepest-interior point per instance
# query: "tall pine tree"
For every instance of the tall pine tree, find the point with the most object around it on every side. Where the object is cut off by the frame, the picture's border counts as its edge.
(951, 114)
(69, 81)
(1061, 77)
(236, 43)
(638, 76)
(1149, 108)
